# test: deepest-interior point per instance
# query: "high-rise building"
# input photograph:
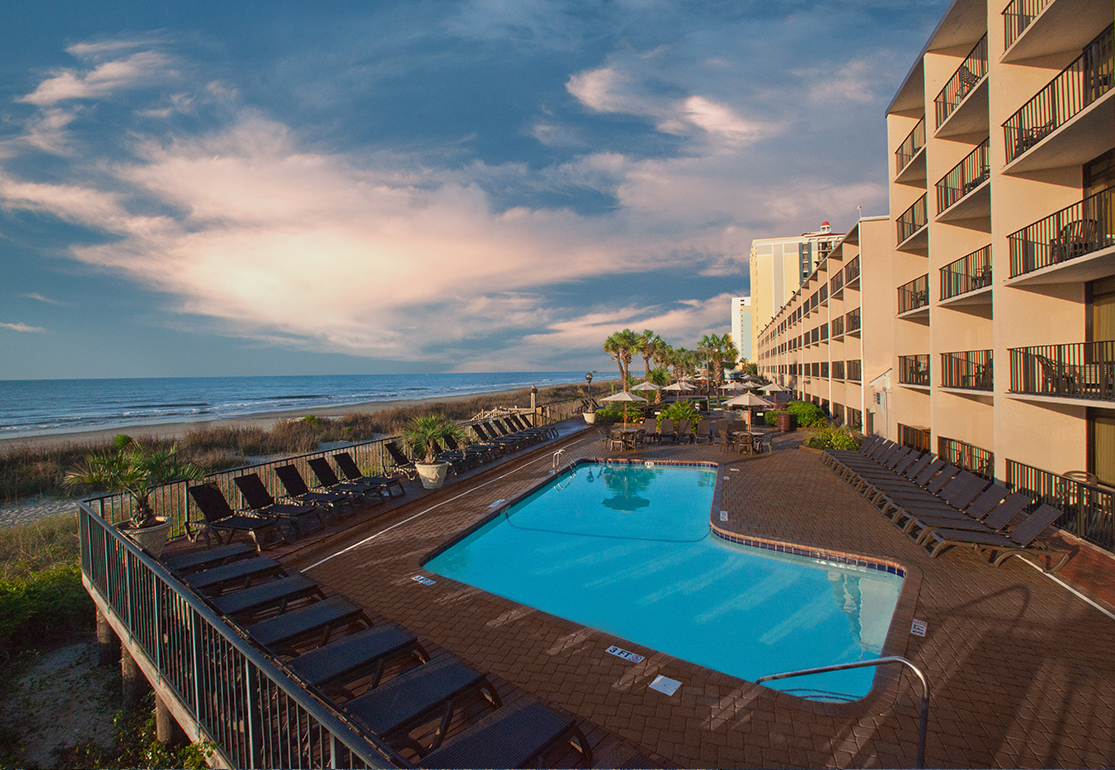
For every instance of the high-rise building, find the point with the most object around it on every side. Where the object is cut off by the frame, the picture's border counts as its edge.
(741, 327)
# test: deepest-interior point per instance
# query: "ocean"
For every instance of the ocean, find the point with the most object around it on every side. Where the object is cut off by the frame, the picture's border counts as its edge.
(43, 407)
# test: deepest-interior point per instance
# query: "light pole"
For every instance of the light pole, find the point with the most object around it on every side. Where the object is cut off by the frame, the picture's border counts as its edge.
(588, 381)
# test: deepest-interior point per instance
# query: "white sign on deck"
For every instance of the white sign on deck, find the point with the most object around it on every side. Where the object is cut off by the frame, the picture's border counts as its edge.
(917, 628)
(665, 685)
(723, 515)
(621, 653)
(497, 502)
(423, 580)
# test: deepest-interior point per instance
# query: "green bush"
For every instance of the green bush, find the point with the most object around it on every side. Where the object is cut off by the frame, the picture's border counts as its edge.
(679, 410)
(47, 604)
(136, 745)
(808, 415)
(832, 436)
(772, 417)
(614, 413)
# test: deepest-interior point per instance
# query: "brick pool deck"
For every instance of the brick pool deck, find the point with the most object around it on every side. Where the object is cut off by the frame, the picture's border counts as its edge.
(1020, 668)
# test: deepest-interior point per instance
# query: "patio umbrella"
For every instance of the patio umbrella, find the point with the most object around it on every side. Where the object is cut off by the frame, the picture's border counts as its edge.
(774, 387)
(733, 387)
(626, 398)
(646, 386)
(749, 400)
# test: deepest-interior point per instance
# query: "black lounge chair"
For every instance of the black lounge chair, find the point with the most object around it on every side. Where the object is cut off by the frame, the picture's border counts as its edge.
(260, 500)
(210, 557)
(458, 461)
(334, 666)
(218, 517)
(328, 480)
(299, 492)
(512, 736)
(282, 632)
(403, 464)
(481, 454)
(524, 426)
(492, 436)
(995, 520)
(351, 471)
(1019, 541)
(272, 596)
(914, 519)
(956, 493)
(507, 428)
(416, 696)
(237, 575)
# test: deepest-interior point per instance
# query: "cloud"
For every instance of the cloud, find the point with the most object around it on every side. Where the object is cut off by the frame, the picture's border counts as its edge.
(41, 298)
(139, 70)
(23, 328)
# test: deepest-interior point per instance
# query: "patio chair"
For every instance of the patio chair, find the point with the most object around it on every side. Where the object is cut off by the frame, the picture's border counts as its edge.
(549, 431)
(218, 517)
(996, 520)
(976, 510)
(480, 454)
(333, 667)
(414, 697)
(403, 464)
(299, 492)
(458, 461)
(235, 576)
(1075, 239)
(505, 426)
(489, 433)
(281, 633)
(512, 736)
(703, 430)
(650, 426)
(273, 596)
(351, 471)
(210, 557)
(667, 433)
(260, 500)
(876, 485)
(956, 493)
(906, 466)
(1019, 541)
(327, 479)
(685, 431)
(614, 442)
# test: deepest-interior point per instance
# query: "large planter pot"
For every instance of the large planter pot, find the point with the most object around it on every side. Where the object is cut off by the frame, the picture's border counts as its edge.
(432, 475)
(151, 539)
(590, 417)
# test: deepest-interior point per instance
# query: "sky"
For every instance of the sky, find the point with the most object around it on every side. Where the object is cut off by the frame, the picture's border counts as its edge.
(234, 188)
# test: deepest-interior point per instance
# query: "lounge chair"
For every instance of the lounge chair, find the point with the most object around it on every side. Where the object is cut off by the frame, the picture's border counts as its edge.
(218, 517)
(976, 510)
(459, 462)
(299, 492)
(703, 430)
(351, 471)
(260, 501)
(328, 480)
(210, 557)
(489, 433)
(416, 696)
(996, 520)
(332, 667)
(320, 619)
(667, 432)
(403, 464)
(272, 596)
(524, 426)
(481, 454)
(1019, 541)
(235, 576)
(512, 736)
(957, 493)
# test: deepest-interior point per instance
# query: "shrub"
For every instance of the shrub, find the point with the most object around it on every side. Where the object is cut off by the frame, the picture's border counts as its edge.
(679, 410)
(772, 417)
(808, 415)
(832, 436)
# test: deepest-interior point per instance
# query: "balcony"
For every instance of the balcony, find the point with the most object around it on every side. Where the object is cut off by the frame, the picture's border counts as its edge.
(907, 171)
(851, 274)
(836, 285)
(966, 87)
(1077, 106)
(914, 297)
(967, 457)
(1018, 15)
(1036, 28)
(852, 321)
(914, 437)
(914, 370)
(838, 370)
(1080, 371)
(970, 273)
(1067, 246)
(838, 327)
(963, 192)
(970, 370)
(854, 370)
(913, 236)
(1087, 508)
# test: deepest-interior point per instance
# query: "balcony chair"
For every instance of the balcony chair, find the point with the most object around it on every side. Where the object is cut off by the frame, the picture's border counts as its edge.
(1075, 239)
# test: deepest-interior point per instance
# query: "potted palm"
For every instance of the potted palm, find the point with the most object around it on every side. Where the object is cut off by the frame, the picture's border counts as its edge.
(423, 435)
(134, 470)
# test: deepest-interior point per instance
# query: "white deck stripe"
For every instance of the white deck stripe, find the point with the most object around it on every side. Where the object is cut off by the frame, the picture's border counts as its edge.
(1072, 590)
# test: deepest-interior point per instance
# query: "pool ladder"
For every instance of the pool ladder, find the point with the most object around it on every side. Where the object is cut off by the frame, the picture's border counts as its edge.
(560, 461)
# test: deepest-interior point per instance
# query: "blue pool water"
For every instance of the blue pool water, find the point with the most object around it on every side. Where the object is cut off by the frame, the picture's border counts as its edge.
(627, 550)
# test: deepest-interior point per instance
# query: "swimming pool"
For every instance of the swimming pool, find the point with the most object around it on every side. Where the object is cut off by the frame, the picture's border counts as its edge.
(627, 549)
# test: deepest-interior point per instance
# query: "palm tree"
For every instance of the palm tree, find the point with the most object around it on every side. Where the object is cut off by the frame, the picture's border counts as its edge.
(717, 350)
(622, 346)
(649, 343)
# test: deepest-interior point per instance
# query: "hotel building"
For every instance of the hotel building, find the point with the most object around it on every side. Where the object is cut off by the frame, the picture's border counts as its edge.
(741, 327)
(1001, 274)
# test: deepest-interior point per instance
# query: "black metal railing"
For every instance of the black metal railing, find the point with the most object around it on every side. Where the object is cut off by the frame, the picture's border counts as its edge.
(913, 219)
(967, 456)
(838, 326)
(1072, 232)
(852, 321)
(836, 283)
(1078, 370)
(910, 147)
(1086, 508)
(855, 419)
(967, 76)
(851, 272)
(913, 370)
(913, 295)
(970, 272)
(838, 370)
(1084, 81)
(964, 177)
(970, 370)
(824, 369)
(854, 370)
(913, 437)
(243, 701)
(1018, 15)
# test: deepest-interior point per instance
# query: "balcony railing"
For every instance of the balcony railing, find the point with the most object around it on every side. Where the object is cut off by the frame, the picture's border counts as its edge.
(836, 283)
(1072, 232)
(964, 177)
(970, 272)
(970, 370)
(1083, 370)
(913, 370)
(824, 332)
(1086, 508)
(913, 219)
(824, 369)
(910, 147)
(838, 370)
(852, 321)
(967, 457)
(914, 295)
(838, 326)
(915, 438)
(851, 272)
(854, 370)
(1018, 15)
(967, 77)
(1088, 78)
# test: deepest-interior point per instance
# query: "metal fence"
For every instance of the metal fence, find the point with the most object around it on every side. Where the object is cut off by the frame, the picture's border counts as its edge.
(1086, 508)
(915, 438)
(251, 710)
(913, 219)
(852, 321)
(964, 177)
(913, 295)
(836, 283)
(1018, 15)
(967, 456)
(970, 370)
(970, 272)
(838, 370)
(838, 326)
(910, 147)
(1084, 81)
(1078, 370)
(913, 370)
(1072, 232)
(854, 370)
(963, 81)
(851, 272)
